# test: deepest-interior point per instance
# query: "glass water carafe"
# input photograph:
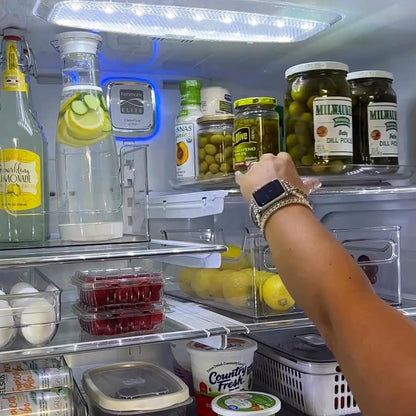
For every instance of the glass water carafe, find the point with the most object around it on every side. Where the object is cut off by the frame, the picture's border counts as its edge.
(87, 163)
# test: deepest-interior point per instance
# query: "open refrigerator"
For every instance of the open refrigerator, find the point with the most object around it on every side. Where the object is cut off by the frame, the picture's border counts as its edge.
(171, 227)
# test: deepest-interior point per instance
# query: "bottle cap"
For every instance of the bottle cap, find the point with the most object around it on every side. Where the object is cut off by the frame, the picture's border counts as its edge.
(316, 66)
(369, 74)
(190, 92)
(78, 42)
(255, 101)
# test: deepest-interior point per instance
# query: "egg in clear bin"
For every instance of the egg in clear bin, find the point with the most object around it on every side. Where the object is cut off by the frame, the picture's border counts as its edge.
(20, 289)
(7, 325)
(38, 322)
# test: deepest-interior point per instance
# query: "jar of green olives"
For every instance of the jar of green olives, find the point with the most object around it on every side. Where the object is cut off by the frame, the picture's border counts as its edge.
(318, 116)
(215, 145)
(256, 130)
(374, 110)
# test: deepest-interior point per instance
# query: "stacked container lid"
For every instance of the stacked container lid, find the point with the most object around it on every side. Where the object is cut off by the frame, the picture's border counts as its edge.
(119, 301)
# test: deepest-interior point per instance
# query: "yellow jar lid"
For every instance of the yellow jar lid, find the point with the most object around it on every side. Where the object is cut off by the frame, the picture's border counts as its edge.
(255, 100)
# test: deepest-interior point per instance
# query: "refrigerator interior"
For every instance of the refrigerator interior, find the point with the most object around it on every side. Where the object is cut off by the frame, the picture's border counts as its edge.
(372, 35)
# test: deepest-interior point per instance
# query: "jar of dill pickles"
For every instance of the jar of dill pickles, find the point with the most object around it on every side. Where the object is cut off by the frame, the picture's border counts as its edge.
(256, 130)
(374, 107)
(318, 116)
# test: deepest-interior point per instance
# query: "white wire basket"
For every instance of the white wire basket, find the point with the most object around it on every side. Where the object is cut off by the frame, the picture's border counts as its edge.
(314, 388)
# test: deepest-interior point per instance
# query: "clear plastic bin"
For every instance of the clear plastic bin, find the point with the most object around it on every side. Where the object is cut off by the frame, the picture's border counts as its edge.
(119, 286)
(30, 307)
(135, 388)
(247, 282)
(120, 319)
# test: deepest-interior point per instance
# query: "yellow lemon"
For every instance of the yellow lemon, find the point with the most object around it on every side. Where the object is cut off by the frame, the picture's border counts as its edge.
(234, 259)
(216, 284)
(86, 126)
(261, 277)
(237, 288)
(202, 281)
(185, 278)
(275, 294)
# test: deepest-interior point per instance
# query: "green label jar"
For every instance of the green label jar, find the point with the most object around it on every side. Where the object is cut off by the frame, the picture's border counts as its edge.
(374, 105)
(318, 115)
(256, 130)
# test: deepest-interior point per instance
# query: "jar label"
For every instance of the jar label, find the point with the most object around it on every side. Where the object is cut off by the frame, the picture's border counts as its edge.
(332, 119)
(245, 147)
(20, 180)
(382, 129)
(13, 78)
(186, 146)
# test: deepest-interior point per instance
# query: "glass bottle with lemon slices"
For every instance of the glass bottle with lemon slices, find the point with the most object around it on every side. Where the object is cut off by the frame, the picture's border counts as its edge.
(88, 178)
(22, 200)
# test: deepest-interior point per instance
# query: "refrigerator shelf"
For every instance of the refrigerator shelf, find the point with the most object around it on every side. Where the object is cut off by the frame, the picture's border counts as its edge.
(354, 178)
(49, 252)
(184, 321)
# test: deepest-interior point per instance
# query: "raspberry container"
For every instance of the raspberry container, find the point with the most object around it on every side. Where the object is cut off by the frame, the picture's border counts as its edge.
(119, 319)
(119, 286)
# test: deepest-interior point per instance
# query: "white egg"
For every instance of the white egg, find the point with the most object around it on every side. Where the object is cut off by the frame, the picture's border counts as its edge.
(38, 322)
(19, 289)
(7, 328)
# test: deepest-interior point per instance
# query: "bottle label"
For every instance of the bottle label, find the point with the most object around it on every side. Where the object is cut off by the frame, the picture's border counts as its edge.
(20, 180)
(13, 78)
(332, 120)
(186, 146)
(245, 147)
(382, 129)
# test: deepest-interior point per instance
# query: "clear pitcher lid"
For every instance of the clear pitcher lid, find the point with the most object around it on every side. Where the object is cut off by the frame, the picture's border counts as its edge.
(78, 42)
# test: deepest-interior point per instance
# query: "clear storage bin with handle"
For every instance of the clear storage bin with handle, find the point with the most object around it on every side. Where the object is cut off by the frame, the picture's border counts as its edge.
(87, 163)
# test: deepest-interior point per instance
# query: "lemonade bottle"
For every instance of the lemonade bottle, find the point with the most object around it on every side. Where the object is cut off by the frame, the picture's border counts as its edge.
(22, 212)
(88, 175)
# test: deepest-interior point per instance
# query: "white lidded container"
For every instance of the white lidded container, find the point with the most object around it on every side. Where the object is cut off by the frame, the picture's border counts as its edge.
(216, 100)
(135, 388)
(249, 403)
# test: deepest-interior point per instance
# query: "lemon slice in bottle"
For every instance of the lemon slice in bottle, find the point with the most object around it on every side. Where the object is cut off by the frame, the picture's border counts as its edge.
(86, 126)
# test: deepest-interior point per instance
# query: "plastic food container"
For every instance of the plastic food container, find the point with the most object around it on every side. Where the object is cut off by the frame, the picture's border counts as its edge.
(119, 319)
(250, 403)
(215, 151)
(117, 286)
(318, 111)
(30, 307)
(374, 109)
(220, 371)
(256, 130)
(215, 100)
(135, 388)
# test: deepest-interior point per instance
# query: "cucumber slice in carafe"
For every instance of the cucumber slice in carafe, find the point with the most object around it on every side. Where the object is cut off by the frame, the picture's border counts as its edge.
(91, 101)
(78, 107)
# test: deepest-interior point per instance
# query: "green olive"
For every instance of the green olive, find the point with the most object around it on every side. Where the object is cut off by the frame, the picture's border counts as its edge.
(209, 175)
(307, 117)
(202, 154)
(305, 140)
(224, 168)
(219, 158)
(210, 149)
(217, 139)
(299, 90)
(214, 167)
(203, 167)
(291, 141)
(307, 160)
(202, 141)
(296, 108)
(309, 103)
(228, 139)
(303, 128)
(209, 159)
(228, 151)
(297, 151)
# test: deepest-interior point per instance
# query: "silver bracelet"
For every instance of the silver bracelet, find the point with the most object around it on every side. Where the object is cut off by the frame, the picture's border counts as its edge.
(296, 199)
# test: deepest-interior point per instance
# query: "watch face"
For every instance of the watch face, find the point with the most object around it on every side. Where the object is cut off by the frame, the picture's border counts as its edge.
(268, 192)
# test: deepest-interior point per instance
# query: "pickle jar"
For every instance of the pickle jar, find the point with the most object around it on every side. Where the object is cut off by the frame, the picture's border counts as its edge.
(374, 110)
(256, 130)
(215, 150)
(318, 116)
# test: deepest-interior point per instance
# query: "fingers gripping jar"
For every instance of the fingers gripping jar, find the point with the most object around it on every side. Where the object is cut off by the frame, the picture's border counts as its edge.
(374, 106)
(256, 130)
(318, 111)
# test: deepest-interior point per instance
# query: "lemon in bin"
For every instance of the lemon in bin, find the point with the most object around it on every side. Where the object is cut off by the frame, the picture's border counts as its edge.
(234, 259)
(184, 279)
(237, 287)
(202, 281)
(275, 295)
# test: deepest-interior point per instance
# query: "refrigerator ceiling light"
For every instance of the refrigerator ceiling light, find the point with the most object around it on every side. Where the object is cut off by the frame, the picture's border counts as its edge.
(231, 20)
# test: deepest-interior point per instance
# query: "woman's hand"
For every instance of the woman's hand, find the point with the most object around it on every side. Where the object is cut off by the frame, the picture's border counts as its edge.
(271, 167)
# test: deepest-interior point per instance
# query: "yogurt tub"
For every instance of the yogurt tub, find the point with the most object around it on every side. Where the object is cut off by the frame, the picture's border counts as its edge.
(216, 372)
(249, 403)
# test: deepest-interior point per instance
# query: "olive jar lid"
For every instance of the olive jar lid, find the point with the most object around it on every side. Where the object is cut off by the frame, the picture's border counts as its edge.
(313, 66)
(369, 74)
(255, 101)
(215, 118)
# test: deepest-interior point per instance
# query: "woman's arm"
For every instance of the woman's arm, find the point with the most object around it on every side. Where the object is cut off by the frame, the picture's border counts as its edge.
(374, 344)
